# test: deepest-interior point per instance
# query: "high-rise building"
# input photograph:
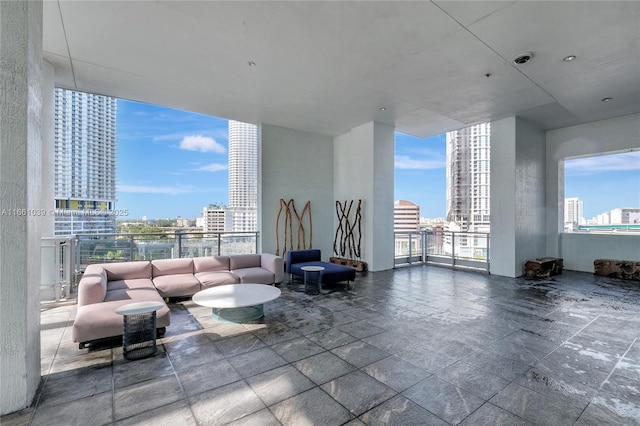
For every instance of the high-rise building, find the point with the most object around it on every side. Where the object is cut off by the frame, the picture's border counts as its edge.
(243, 176)
(406, 219)
(573, 213)
(215, 219)
(406, 216)
(85, 162)
(468, 177)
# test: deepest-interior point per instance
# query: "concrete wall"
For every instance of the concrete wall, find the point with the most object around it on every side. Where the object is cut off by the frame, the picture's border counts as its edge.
(20, 186)
(580, 250)
(364, 169)
(299, 165)
(517, 195)
(307, 166)
(607, 136)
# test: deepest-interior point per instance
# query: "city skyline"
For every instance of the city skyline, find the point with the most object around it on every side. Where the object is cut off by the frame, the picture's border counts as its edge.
(173, 163)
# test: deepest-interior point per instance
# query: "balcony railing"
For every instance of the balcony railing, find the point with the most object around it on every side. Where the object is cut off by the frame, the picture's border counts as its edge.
(450, 248)
(65, 259)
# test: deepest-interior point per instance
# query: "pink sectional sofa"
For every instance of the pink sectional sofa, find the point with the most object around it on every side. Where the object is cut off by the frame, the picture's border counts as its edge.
(107, 286)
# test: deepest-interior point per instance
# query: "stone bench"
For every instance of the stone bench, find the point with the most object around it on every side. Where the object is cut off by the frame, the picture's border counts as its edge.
(624, 269)
(543, 267)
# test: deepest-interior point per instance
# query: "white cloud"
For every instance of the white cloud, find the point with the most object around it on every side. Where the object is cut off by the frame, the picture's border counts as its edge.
(604, 163)
(406, 162)
(141, 189)
(213, 167)
(201, 144)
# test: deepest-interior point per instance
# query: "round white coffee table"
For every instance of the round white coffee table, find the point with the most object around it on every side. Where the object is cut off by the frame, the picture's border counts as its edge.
(237, 303)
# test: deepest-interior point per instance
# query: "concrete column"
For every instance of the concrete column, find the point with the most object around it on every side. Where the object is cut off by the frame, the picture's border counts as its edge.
(48, 148)
(20, 200)
(518, 179)
(364, 169)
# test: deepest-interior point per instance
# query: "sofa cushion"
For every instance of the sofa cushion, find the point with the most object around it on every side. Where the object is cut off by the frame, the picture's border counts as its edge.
(210, 279)
(98, 321)
(332, 273)
(132, 295)
(171, 267)
(130, 284)
(240, 261)
(301, 256)
(93, 285)
(210, 264)
(275, 264)
(254, 275)
(127, 270)
(176, 285)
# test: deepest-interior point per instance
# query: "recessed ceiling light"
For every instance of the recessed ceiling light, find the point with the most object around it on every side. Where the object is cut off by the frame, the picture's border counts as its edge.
(569, 58)
(251, 64)
(382, 108)
(522, 58)
(607, 99)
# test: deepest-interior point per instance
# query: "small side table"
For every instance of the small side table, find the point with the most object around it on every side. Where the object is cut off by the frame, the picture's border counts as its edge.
(139, 329)
(312, 279)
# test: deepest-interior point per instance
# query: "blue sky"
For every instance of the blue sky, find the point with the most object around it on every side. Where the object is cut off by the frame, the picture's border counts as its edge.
(173, 163)
(169, 163)
(604, 183)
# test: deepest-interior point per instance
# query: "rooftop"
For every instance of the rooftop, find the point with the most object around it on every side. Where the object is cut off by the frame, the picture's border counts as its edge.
(419, 345)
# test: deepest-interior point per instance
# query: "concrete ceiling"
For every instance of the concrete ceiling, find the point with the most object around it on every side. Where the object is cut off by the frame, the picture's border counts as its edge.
(327, 67)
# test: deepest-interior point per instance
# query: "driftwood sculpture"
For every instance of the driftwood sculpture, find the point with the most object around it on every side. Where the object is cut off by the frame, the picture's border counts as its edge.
(291, 226)
(348, 236)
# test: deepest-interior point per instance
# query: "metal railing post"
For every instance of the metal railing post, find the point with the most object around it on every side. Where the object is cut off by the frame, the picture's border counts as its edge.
(488, 253)
(453, 248)
(219, 243)
(130, 248)
(410, 248)
(257, 235)
(66, 272)
(423, 246)
(178, 235)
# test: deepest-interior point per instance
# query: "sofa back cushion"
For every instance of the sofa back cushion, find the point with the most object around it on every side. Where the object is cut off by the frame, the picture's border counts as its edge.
(127, 270)
(301, 256)
(93, 286)
(239, 261)
(210, 264)
(172, 266)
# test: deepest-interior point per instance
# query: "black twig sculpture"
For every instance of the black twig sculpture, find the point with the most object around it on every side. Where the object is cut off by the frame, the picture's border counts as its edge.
(348, 236)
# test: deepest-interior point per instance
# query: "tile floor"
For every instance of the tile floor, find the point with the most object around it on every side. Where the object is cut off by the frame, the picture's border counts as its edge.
(413, 346)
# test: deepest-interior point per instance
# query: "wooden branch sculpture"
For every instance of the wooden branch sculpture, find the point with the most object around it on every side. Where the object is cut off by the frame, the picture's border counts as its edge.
(289, 209)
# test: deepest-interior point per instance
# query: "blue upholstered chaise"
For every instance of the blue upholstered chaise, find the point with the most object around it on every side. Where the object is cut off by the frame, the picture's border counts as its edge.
(296, 259)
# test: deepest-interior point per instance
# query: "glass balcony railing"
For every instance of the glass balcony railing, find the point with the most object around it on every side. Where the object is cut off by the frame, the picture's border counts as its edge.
(65, 259)
(450, 248)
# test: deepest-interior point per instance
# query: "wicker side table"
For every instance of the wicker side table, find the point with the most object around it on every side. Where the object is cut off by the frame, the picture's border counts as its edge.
(139, 329)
